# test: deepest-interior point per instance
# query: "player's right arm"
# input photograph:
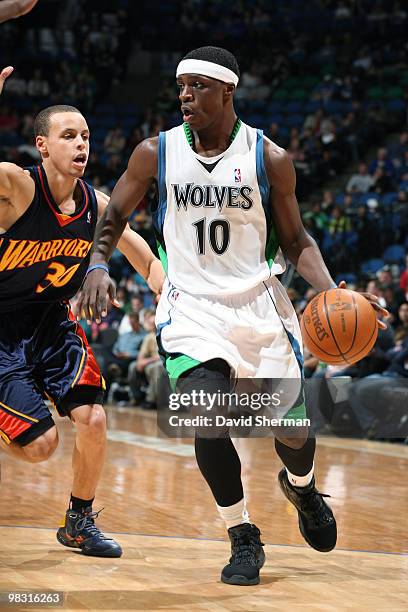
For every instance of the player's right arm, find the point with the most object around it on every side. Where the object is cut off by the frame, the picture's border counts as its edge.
(16, 185)
(128, 191)
(10, 9)
(16, 193)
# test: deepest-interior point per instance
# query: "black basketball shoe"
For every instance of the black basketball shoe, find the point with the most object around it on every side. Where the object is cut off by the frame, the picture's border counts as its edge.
(316, 521)
(79, 531)
(247, 556)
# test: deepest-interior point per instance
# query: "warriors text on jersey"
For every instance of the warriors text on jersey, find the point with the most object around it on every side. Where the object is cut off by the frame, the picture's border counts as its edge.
(213, 221)
(45, 254)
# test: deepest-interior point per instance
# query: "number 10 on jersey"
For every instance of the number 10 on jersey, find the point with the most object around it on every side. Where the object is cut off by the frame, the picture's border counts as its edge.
(218, 235)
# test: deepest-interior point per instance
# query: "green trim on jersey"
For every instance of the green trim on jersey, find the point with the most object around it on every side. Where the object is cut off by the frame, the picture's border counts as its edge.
(176, 366)
(272, 246)
(188, 133)
(235, 129)
(190, 138)
(163, 256)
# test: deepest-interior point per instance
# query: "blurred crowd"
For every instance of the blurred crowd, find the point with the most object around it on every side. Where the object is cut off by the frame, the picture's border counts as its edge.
(330, 85)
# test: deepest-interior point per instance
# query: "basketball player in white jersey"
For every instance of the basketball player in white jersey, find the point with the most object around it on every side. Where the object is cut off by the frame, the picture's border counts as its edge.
(226, 210)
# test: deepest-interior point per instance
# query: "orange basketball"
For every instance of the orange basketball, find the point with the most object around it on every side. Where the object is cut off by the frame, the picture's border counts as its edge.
(339, 326)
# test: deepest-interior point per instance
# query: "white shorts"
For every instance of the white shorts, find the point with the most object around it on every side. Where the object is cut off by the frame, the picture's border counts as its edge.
(257, 332)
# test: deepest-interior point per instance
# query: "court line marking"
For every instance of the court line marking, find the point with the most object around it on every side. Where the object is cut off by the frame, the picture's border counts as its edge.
(365, 446)
(162, 445)
(167, 445)
(180, 537)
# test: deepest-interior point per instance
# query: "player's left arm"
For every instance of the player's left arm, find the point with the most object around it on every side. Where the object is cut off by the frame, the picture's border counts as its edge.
(298, 246)
(137, 251)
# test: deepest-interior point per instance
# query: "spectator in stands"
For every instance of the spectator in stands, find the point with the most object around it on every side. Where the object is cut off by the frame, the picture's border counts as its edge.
(397, 150)
(338, 222)
(350, 209)
(360, 182)
(382, 182)
(327, 203)
(381, 161)
(113, 168)
(8, 119)
(401, 330)
(384, 276)
(368, 397)
(404, 278)
(115, 141)
(136, 306)
(148, 363)
(134, 139)
(126, 349)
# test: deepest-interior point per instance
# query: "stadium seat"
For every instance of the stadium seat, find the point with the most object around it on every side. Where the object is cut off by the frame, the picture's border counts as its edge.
(295, 120)
(339, 200)
(312, 106)
(294, 107)
(280, 94)
(371, 266)
(376, 93)
(394, 92)
(395, 253)
(365, 197)
(346, 276)
(396, 106)
(389, 198)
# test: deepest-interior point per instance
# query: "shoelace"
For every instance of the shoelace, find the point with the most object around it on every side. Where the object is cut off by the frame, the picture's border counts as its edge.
(87, 523)
(312, 503)
(246, 545)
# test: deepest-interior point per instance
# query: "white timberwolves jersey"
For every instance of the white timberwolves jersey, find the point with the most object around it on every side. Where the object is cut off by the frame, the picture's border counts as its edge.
(214, 229)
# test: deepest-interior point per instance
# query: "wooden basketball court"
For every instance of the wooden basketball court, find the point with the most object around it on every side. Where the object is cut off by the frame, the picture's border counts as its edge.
(175, 546)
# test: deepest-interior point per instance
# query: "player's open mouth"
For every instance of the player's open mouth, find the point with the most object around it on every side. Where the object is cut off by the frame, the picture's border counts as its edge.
(187, 113)
(80, 159)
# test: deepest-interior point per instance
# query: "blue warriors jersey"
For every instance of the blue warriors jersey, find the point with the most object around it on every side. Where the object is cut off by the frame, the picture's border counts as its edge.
(45, 253)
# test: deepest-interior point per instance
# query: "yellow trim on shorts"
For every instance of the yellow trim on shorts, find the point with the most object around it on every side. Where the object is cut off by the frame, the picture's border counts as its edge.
(5, 437)
(54, 405)
(19, 413)
(82, 359)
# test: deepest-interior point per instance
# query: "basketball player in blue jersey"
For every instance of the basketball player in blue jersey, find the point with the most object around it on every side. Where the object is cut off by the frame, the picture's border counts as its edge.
(48, 216)
(226, 211)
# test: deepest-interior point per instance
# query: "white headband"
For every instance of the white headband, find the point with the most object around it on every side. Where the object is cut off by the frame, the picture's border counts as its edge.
(210, 69)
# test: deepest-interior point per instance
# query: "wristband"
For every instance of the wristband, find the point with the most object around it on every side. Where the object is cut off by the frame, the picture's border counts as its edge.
(97, 267)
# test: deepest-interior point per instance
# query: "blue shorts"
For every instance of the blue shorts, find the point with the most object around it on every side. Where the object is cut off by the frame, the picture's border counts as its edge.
(44, 354)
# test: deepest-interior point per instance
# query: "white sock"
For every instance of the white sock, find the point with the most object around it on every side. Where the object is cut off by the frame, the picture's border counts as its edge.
(300, 481)
(235, 514)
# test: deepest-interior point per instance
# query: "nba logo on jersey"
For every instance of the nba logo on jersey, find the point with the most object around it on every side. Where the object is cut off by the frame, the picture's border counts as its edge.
(237, 174)
(89, 217)
(174, 294)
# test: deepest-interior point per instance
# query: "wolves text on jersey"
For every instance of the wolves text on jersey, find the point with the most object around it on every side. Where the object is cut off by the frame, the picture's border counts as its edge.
(212, 196)
(24, 253)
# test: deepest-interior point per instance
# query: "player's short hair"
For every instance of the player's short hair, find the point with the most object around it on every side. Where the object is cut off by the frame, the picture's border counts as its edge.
(217, 55)
(42, 120)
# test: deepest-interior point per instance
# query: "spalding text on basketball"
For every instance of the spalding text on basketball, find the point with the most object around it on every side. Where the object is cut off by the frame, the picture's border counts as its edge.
(317, 324)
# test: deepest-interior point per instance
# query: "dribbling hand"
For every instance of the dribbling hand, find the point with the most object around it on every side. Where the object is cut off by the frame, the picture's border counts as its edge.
(374, 301)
